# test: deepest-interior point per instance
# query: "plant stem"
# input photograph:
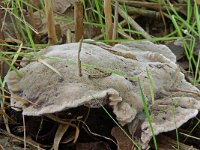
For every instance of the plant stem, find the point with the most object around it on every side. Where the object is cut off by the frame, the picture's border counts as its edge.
(78, 18)
(52, 37)
(108, 19)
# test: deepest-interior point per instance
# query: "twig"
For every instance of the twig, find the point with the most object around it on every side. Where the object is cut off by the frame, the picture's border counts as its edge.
(79, 60)
(134, 24)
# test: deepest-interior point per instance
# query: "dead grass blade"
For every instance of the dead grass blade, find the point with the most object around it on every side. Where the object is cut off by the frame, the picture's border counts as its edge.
(24, 125)
(59, 134)
(50, 67)
(56, 119)
(190, 136)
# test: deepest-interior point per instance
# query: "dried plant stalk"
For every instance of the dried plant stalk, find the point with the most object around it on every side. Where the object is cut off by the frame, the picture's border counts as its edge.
(52, 37)
(108, 19)
(78, 18)
(114, 36)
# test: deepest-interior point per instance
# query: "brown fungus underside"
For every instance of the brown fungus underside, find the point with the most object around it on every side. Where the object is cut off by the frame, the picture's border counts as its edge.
(109, 77)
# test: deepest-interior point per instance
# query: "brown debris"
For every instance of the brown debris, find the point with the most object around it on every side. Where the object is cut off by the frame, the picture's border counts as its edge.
(123, 141)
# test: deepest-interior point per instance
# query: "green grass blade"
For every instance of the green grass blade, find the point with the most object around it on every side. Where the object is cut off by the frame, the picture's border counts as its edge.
(147, 114)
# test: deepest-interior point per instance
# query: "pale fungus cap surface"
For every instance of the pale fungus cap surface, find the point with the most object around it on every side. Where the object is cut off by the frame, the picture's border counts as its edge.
(109, 76)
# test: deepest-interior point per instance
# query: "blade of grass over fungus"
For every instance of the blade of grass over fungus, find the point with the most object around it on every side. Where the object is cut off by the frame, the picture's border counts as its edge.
(147, 114)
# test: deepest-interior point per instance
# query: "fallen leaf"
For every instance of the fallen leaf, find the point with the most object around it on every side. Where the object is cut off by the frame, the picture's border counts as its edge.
(123, 141)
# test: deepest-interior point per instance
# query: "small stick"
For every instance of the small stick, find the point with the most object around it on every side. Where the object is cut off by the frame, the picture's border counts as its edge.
(79, 60)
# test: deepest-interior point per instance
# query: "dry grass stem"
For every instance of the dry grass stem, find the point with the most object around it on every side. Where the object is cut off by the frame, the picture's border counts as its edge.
(108, 19)
(52, 37)
(78, 19)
